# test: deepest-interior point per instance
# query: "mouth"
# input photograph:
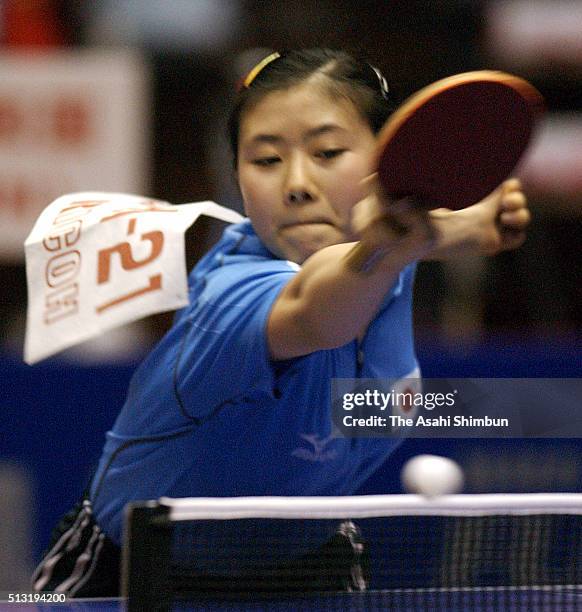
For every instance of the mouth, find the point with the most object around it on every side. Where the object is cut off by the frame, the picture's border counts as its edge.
(297, 223)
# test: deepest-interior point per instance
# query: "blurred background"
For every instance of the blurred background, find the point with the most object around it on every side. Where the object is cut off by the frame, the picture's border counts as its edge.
(132, 96)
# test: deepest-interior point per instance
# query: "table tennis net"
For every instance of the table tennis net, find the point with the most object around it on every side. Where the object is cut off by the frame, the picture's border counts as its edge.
(516, 552)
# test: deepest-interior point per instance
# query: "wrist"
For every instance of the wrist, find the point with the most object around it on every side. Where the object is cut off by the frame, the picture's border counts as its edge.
(458, 233)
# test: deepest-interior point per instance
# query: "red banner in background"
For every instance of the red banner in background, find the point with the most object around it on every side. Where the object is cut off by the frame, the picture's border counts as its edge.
(69, 121)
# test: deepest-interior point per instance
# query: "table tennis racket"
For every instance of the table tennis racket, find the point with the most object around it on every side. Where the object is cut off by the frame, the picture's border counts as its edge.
(454, 142)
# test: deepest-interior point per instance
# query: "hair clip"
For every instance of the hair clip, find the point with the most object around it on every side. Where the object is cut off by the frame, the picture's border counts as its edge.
(384, 89)
(254, 72)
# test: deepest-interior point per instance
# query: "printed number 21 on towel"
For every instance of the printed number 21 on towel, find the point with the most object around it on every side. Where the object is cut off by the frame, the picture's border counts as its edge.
(98, 260)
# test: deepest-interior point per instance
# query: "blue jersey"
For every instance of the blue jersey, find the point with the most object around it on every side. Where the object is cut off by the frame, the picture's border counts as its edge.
(208, 414)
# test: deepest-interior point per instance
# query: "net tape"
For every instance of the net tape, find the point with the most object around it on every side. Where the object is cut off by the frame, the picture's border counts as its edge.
(370, 506)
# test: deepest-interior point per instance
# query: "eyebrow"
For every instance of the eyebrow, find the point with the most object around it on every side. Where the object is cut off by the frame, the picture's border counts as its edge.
(325, 128)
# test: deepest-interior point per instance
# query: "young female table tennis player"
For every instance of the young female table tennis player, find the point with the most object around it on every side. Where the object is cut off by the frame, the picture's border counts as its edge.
(316, 284)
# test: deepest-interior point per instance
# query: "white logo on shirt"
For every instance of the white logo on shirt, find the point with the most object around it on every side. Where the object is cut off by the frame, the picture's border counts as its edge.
(318, 453)
(406, 389)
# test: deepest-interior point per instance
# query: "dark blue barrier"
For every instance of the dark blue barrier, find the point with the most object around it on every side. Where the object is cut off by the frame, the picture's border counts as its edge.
(54, 418)
(502, 356)
(55, 415)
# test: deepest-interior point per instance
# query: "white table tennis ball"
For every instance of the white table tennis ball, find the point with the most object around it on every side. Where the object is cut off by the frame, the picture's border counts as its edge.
(431, 475)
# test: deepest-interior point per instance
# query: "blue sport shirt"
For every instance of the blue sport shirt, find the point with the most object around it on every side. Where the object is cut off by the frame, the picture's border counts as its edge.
(208, 414)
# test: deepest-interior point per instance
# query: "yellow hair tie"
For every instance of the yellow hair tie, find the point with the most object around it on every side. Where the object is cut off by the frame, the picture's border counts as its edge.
(252, 75)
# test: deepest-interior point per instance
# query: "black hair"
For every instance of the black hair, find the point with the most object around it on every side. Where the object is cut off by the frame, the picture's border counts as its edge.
(347, 76)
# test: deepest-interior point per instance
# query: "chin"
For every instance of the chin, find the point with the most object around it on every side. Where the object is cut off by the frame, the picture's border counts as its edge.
(299, 254)
(300, 248)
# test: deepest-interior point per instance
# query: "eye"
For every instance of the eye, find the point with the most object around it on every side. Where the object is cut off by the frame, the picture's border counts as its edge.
(330, 153)
(266, 161)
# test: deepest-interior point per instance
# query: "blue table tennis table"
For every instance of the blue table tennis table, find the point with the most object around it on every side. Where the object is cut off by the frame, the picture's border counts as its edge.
(564, 599)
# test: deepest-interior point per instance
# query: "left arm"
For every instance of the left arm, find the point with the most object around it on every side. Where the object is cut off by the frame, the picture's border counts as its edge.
(496, 224)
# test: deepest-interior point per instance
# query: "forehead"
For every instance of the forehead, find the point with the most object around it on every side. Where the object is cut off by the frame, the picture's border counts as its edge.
(300, 109)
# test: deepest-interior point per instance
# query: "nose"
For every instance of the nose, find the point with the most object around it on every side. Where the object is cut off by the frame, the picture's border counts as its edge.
(298, 186)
